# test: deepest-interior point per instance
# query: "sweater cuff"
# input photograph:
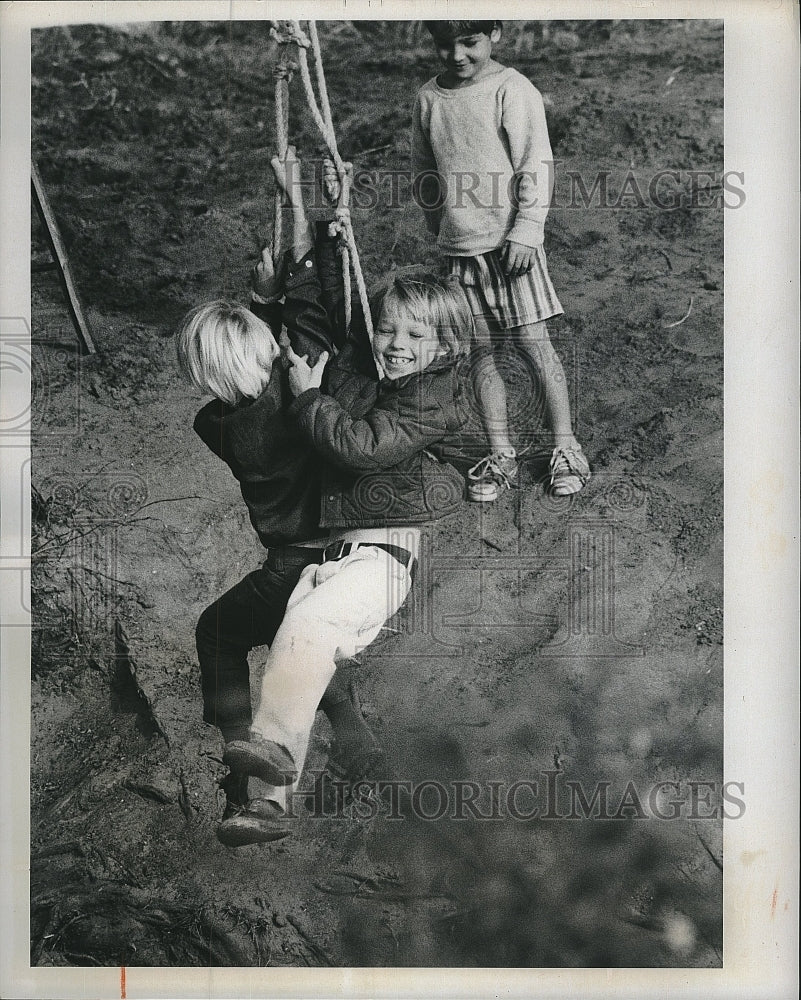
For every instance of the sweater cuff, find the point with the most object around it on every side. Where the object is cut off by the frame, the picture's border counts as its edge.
(527, 232)
(303, 401)
(262, 301)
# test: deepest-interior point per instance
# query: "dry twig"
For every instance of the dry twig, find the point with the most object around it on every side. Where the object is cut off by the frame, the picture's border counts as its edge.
(669, 326)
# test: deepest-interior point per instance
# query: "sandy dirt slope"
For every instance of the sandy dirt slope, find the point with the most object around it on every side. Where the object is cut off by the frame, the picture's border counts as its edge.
(548, 642)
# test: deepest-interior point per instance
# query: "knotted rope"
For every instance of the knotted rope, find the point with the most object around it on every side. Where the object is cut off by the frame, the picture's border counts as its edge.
(282, 74)
(288, 33)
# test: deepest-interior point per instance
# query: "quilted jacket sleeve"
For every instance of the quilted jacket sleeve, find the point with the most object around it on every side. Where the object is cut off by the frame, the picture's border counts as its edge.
(381, 438)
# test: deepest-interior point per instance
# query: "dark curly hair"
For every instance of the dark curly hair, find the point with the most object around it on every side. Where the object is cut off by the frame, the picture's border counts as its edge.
(454, 29)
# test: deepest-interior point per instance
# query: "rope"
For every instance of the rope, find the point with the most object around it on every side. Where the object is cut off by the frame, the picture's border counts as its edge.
(290, 32)
(345, 255)
(282, 74)
(318, 69)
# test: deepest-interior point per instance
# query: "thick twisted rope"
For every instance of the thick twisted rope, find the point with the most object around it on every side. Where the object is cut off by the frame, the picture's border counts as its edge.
(324, 121)
(282, 74)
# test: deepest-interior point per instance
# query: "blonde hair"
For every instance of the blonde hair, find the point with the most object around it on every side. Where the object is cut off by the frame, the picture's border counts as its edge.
(438, 301)
(226, 350)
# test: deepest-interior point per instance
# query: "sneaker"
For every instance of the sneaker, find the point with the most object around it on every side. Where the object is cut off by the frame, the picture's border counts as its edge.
(259, 822)
(489, 477)
(262, 759)
(570, 470)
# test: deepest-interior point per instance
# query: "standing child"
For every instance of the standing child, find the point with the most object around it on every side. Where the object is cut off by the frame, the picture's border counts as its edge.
(482, 166)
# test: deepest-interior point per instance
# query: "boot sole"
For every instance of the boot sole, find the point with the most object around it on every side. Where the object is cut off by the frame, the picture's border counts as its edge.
(260, 760)
(241, 831)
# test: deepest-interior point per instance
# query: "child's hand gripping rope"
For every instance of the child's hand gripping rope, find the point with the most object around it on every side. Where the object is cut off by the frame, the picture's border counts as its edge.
(332, 188)
(263, 279)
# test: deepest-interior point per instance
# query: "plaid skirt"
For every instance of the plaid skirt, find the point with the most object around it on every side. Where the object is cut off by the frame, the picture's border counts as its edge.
(502, 301)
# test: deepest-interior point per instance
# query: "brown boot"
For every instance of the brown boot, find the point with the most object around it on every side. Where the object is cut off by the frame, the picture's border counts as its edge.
(262, 759)
(259, 822)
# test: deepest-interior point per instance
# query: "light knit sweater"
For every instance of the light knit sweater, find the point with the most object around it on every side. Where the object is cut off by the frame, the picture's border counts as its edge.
(489, 144)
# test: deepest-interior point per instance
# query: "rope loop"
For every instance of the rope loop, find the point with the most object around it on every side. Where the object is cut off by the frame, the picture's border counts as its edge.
(284, 71)
(290, 32)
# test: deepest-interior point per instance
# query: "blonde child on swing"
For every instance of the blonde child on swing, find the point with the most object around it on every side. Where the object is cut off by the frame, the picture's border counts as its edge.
(376, 416)
(482, 169)
(338, 484)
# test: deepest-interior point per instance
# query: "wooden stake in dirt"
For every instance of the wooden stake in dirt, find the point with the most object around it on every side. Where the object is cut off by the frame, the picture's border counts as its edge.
(60, 262)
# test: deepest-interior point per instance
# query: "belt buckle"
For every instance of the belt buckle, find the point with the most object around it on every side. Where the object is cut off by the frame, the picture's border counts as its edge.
(334, 551)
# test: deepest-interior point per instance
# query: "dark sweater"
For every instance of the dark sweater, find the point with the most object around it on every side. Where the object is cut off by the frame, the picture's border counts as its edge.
(375, 440)
(277, 471)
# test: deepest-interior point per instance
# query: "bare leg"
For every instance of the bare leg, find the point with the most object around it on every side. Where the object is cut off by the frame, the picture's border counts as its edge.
(490, 390)
(569, 468)
(534, 342)
(356, 748)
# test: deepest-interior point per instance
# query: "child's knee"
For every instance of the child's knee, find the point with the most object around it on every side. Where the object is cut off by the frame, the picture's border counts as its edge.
(532, 334)
(481, 356)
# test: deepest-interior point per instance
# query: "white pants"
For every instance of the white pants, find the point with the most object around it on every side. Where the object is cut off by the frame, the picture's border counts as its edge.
(336, 609)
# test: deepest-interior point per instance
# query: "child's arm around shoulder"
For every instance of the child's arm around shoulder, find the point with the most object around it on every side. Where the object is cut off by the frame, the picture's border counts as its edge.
(523, 120)
(406, 422)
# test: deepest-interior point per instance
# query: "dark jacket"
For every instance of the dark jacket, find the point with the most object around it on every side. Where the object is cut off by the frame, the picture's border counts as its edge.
(379, 438)
(277, 472)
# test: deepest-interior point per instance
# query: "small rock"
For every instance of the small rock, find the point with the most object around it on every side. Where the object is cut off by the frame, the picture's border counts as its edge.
(107, 58)
(567, 41)
(680, 933)
(279, 920)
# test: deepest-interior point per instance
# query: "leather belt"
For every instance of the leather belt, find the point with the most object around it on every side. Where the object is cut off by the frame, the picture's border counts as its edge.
(339, 549)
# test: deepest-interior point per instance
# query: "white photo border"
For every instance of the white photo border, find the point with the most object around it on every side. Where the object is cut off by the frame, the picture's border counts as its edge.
(761, 527)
